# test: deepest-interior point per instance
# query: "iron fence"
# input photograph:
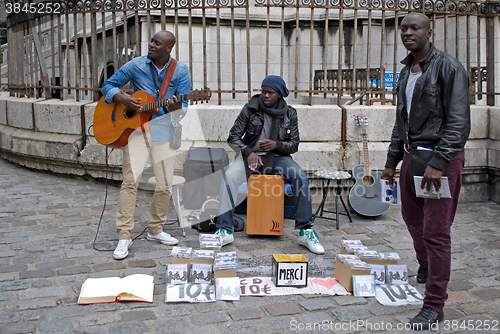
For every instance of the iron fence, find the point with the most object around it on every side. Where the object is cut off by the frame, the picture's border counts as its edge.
(329, 48)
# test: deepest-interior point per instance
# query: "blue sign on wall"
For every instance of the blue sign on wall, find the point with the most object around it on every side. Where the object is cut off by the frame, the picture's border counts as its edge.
(389, 80)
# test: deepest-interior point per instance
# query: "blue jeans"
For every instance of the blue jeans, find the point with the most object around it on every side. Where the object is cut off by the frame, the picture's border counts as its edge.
(238, 173)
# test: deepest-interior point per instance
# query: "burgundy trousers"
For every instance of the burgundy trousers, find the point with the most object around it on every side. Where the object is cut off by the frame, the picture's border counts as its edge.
(429, 223)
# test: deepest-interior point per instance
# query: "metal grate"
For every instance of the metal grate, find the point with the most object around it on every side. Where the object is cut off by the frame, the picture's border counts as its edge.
(328, 48)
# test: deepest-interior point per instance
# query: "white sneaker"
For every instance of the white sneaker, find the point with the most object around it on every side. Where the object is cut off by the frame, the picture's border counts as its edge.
(226, 236)
(164, 238)
(309, 238)
(121, 251)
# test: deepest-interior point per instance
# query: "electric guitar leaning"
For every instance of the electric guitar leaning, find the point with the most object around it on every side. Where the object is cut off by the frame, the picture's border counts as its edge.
(113, 123)
(364, 196)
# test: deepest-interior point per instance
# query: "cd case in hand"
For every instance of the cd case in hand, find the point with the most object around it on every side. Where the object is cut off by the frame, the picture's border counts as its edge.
(390, 195)
(444, 191)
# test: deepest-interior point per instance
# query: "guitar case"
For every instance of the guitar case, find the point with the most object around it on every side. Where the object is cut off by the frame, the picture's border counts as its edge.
(203, 170)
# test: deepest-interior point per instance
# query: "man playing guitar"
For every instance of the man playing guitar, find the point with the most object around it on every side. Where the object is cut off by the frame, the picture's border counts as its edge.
(147, 73)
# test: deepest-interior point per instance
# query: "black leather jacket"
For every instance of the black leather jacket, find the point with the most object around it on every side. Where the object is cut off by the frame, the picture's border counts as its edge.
(440, 110)
(248, 126)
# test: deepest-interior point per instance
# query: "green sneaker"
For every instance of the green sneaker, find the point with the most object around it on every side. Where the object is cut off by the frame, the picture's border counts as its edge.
(226, 236)
(309, 238)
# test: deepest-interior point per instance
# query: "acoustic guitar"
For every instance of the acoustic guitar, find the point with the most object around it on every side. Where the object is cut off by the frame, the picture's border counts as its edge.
(364, 196)
(113, 123)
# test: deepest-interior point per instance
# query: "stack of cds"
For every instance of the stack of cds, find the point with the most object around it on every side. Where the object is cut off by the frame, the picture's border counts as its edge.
(353, 261)
(225, 261)
(210, 241)
(203, 254)
(346, 243)
(353, 245)
(358, 264)
(212, 245)
(361, 268)
(181, 252)
(345, 257)
(209, 237)
(367, 254)
(355, 248)
(389, 256)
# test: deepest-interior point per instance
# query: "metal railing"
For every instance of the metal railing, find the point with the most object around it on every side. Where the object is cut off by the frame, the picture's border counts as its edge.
(3, 59)
(321, 47)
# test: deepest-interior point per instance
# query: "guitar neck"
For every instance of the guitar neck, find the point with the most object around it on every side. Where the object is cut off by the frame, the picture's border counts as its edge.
(365, 153)
(162, 103)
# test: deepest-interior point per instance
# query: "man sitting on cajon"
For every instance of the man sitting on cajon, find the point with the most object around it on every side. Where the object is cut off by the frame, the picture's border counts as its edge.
(265, 133)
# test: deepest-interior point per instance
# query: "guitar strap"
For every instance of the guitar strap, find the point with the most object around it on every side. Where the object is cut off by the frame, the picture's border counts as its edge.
(164, 86)
(166, 80)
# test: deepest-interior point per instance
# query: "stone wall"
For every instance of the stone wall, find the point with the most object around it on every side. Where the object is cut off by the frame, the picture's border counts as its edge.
(56, 136)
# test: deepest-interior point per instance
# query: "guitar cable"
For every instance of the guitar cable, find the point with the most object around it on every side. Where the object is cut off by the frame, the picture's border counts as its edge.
(104, 205)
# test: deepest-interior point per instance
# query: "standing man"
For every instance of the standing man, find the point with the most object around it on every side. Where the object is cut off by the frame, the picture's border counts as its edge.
(147, 74)
(433, 115)
(265, 133)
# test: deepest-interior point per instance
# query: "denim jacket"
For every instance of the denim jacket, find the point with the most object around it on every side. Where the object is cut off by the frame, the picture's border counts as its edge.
(139, 71)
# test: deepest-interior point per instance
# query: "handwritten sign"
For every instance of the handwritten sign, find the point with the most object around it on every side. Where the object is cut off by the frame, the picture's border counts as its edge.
(264, 286)
(396, 295)
(255, 286)
(289, 270)
(190, 293)
(291, 274)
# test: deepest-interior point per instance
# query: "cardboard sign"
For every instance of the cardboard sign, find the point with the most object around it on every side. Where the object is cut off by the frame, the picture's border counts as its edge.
(190, 293)
(397, 295)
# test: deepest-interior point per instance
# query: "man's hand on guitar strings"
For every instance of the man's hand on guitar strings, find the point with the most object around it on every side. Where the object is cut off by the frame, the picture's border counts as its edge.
(128, 101)
(175, 106)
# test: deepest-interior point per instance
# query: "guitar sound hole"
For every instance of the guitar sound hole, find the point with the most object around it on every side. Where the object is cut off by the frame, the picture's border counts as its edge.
(368, 180)
(129, 113)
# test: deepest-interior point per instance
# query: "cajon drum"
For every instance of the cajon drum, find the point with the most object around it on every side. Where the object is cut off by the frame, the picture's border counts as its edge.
(265, 205)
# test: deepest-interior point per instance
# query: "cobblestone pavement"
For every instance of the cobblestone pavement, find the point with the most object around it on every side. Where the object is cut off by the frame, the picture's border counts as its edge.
(48, 224)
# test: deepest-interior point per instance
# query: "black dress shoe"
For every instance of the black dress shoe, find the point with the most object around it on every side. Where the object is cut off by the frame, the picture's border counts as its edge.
(425, 318)
(422, 274)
